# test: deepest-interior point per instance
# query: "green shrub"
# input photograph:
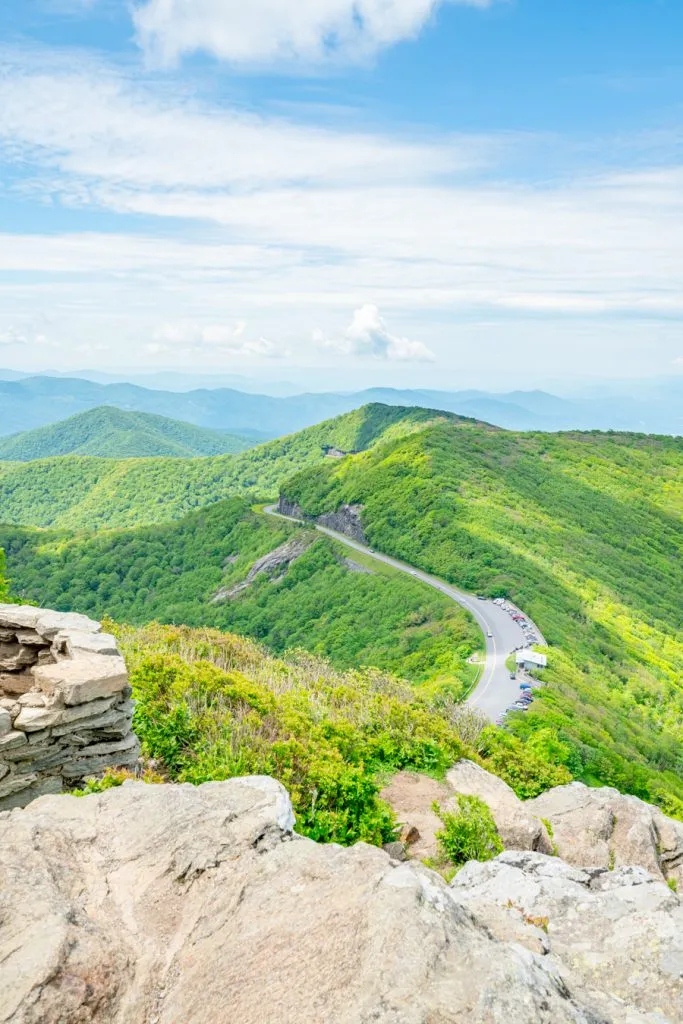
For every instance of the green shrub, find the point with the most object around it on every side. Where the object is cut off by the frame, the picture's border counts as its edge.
(469, 833)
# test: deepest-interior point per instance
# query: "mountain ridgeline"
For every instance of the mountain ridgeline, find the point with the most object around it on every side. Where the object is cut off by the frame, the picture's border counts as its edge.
(114, 433)
(84, 492)
(37, 401)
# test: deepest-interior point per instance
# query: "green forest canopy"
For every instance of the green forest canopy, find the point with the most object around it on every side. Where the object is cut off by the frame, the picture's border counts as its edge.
(82, 492)
(170, 572)
(116, 433)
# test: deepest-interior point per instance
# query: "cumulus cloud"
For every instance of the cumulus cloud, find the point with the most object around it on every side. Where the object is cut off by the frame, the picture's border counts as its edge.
(367, 336)
(189, 336)
(261, 31)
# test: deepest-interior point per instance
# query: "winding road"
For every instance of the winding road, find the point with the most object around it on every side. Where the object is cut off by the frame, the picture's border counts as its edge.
(495, 691)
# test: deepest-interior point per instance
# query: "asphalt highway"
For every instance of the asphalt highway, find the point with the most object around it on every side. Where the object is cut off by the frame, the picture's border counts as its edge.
(495, 691)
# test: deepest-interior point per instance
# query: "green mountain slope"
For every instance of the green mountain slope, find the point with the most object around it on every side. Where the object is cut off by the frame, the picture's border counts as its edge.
(88, 493)
(585, 532)
(117, 434)
(170, 572)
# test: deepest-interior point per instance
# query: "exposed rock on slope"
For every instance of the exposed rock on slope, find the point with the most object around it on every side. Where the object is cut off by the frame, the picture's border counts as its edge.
(278, 560)
(604, 828)
(616, 936)
(519, 828)
(590, 827)
(170, 903)
(411, 796)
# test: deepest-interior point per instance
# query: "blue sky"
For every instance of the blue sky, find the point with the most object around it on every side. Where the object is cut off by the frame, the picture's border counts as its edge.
(343, 191)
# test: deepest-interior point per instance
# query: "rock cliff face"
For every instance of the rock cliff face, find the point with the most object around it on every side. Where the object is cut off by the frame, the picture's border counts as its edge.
(346, 520)
(65, 708)
(173, 903)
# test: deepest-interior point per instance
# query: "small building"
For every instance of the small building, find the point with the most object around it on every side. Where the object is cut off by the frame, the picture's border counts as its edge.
(531, 659)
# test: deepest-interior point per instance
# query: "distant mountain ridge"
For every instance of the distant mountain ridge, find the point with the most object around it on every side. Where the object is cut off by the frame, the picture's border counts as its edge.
(37, 401)
(109, 432)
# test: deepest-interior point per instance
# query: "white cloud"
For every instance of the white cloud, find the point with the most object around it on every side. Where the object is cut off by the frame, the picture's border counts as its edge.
(27, 334)
(188, 336)
(367, 336)
(260, 31)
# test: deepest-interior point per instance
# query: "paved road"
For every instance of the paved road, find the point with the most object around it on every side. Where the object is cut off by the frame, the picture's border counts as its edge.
(495, 690)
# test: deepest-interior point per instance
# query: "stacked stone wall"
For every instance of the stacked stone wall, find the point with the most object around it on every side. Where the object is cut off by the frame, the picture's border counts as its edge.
(65, 707)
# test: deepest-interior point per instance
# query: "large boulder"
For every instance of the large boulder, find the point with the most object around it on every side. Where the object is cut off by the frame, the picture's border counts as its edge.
(616, 936)
(519, 828)
(171, 904)
(604, 828)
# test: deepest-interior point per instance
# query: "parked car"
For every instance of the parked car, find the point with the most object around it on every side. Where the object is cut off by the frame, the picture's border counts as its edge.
(525, 686)
(513, 675)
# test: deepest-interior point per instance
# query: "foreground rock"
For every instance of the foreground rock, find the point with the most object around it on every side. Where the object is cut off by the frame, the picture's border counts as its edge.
(604, 828)
(65, 708)
(616, 936)
(172, 904)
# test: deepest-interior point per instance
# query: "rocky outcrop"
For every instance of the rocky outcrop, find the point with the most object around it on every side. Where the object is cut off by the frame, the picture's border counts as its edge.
(604, 828)
(277, 561)
(289, 508)
(173, 903)
(65, 708)
(587, 827)
(615, 936)
(412, 795)
(346, 520)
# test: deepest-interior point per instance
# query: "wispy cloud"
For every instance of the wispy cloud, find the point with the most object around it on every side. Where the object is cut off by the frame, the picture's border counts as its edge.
(287, 224)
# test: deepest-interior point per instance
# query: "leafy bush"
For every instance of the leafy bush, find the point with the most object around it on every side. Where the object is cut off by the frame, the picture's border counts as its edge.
(469, 833)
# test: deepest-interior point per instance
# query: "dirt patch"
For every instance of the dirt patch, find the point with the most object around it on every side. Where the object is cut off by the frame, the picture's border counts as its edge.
(411, 796)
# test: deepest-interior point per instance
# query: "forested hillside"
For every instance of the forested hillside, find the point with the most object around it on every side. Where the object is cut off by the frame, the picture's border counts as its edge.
(81, 492)
(584, 531)
(117, 434)
(320, 602)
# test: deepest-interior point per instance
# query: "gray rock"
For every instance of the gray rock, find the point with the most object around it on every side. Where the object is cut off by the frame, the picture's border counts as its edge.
(616, 936)
(22, 616)
(50, 623)
(281, 558)
(519, 829)
(14, 657)
(5, 722)
(347, 520)
(73, 641)
(170, 904)
(12, 740)
(605, 828)
(41, 787)
(83, 679)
